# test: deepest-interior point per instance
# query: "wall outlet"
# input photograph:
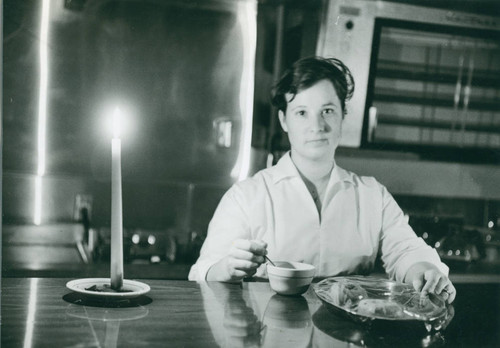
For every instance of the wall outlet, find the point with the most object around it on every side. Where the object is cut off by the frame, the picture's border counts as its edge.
(82, 201)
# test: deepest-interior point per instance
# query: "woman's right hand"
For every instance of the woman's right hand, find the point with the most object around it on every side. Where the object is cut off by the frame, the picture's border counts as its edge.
(242, 261)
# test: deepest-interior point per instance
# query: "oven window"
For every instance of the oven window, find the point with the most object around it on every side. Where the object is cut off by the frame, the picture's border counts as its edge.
(434, 90)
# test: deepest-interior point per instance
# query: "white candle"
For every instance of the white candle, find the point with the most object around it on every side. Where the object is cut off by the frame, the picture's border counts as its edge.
(116, 206)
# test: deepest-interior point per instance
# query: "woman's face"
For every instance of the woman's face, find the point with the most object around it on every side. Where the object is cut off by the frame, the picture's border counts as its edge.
(313, 121)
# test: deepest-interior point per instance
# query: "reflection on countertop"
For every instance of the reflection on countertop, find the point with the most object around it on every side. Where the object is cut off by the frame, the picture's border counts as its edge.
(106, 321)
(40, 312)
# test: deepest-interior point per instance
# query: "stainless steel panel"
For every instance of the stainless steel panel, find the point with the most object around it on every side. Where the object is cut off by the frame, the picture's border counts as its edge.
(174, 68)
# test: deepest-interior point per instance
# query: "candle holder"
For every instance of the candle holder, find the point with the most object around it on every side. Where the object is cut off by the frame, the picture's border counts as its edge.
(97, 288)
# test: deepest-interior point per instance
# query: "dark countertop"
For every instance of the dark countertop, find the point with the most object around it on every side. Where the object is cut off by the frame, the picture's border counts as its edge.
(41, 312)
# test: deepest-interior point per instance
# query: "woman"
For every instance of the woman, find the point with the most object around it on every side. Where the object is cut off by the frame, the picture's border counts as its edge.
(306, 208)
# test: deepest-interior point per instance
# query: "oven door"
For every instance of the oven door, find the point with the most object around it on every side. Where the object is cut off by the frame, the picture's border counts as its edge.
(425, 78)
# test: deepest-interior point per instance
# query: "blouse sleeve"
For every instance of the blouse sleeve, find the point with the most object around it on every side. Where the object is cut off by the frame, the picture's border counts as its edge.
(400, 246)
(230, 222)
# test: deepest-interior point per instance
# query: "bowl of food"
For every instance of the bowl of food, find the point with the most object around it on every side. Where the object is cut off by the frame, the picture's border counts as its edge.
(290, 278)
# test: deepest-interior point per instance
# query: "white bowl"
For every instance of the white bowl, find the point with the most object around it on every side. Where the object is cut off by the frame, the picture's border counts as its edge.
(290, 278)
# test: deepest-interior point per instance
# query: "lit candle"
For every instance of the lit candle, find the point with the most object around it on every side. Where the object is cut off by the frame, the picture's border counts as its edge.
(116, 206)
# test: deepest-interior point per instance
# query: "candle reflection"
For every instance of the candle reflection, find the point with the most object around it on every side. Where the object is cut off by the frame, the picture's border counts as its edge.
(30, 319)
(106, 319)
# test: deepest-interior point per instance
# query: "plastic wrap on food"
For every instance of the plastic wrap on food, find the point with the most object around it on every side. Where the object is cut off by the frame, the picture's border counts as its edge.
(369, 298)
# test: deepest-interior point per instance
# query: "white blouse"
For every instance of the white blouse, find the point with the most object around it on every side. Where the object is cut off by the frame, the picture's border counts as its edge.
(359, 219)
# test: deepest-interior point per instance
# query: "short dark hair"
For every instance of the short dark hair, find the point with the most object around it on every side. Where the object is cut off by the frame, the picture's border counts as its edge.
(306, 72)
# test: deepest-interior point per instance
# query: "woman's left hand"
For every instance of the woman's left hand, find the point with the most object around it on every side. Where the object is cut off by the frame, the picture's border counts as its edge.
(426, 278)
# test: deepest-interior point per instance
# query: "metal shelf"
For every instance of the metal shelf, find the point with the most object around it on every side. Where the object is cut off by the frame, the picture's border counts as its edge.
(435, 124)
(419, 98)
(434, 74)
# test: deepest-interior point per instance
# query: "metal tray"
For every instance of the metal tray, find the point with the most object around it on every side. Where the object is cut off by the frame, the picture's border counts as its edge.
(368, 298)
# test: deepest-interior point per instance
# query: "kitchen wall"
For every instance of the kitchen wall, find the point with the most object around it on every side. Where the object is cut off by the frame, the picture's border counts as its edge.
(179, 73)
(175, 169)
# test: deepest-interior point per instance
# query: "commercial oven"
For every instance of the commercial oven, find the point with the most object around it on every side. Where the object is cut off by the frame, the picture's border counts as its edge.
(427, 80)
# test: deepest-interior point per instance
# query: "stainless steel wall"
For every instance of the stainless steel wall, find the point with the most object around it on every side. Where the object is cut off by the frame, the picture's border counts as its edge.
(182, 74)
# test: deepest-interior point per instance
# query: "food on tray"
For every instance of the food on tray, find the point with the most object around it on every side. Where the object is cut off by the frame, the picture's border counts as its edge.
(347, 294)
(368, 298)
(380, 308)
(418, 306)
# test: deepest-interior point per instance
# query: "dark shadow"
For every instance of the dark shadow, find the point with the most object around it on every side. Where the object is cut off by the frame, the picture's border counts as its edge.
(376, 333)
(83, 300)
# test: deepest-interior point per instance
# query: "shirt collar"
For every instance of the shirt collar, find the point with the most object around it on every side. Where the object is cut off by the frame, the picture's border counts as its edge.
(285, 169)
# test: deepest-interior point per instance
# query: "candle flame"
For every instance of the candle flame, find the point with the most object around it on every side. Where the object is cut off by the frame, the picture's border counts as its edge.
(117, 119)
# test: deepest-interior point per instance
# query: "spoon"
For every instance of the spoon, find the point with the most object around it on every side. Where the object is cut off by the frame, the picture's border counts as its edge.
(268, 259)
